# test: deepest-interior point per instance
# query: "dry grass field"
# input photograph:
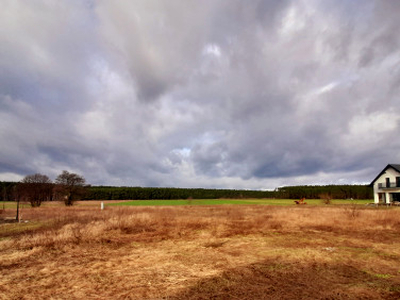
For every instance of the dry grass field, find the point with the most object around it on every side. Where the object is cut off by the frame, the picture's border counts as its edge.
(202, 252)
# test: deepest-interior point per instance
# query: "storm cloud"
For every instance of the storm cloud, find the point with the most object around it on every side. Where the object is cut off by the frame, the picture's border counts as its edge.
(221, 94)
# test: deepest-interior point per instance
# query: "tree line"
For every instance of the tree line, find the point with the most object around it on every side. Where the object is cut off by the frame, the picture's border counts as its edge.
(154, 193)
(320, 191)
(69, 187)
(36, 188)
(288, 192)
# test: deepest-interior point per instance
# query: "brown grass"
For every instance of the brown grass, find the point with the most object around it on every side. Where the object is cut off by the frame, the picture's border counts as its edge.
(199, 252)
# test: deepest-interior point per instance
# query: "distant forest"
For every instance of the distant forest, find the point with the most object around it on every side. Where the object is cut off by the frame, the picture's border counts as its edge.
(150, 193)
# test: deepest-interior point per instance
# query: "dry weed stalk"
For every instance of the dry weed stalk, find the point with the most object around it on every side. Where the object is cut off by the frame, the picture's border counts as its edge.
(352, 211)
(326, 198)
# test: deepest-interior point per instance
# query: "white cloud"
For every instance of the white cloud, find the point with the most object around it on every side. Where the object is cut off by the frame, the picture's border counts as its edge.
(212, 49)
(375, 128)
(10, 177)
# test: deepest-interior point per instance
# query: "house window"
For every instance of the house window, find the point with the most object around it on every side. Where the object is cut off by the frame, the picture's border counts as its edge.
(387, 182)
(398, 181)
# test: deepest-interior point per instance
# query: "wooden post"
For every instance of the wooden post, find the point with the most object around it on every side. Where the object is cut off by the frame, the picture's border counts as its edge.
(18, 217)
(17, 196)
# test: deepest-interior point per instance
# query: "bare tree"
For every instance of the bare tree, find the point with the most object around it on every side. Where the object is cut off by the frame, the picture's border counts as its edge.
(36, 188)
(70, 186)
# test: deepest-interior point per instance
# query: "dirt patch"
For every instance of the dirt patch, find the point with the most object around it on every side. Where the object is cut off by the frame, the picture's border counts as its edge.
(279, 280)
(8, 220)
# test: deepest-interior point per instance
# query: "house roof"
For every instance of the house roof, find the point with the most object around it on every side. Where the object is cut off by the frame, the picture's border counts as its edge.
(393, 166)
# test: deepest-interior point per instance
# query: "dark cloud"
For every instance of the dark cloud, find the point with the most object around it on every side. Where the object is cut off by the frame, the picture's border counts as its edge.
(214, 94)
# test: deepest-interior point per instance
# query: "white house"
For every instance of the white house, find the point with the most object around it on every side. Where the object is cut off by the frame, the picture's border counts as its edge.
(387, 185)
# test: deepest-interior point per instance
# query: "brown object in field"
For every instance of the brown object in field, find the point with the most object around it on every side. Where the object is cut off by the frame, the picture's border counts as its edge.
(301, 201)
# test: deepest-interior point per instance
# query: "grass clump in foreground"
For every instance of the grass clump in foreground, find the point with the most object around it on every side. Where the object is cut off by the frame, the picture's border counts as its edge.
(202, 252)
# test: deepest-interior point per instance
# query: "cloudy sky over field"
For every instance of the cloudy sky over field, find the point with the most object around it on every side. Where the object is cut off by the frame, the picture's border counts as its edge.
(227, 94)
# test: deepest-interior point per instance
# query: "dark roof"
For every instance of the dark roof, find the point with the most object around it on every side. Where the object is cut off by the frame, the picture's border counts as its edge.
(396, 167)
(393, 166)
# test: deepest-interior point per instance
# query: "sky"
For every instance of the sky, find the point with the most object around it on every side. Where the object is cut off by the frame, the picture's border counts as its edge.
(212, 93)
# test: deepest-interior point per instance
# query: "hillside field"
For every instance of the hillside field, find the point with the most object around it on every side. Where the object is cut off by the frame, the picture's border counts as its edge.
(339, 251)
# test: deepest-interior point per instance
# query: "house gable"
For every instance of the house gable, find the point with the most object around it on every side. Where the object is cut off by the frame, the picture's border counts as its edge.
(386, 185)
(395, 167)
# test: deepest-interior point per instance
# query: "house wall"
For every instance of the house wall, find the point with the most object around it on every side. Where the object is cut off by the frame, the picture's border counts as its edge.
(391, 174)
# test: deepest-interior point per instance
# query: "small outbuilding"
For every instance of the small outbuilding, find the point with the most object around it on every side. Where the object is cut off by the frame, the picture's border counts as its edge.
(387, 185)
